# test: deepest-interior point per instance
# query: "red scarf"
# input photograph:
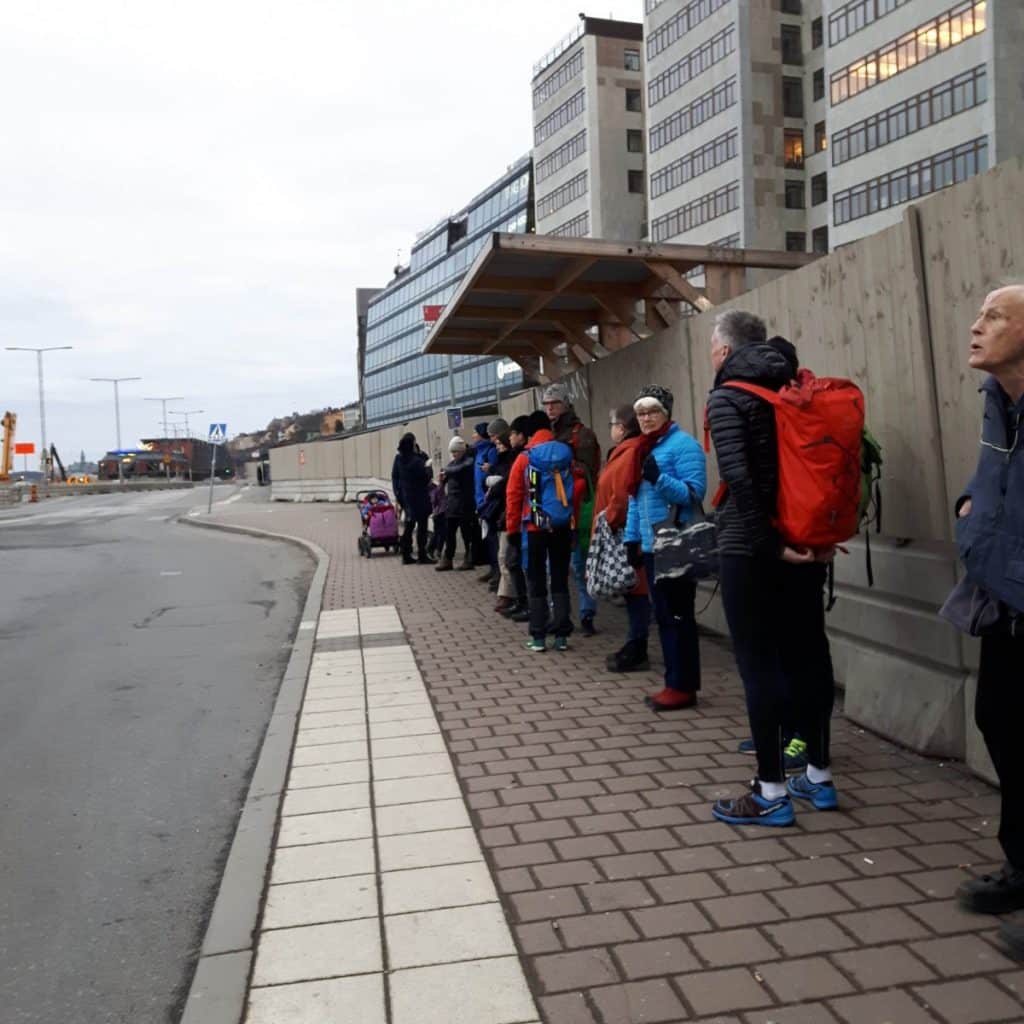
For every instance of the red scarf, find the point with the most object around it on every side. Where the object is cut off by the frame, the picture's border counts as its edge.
(642, 450)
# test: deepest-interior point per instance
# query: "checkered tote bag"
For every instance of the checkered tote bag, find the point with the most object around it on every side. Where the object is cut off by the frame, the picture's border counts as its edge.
(608, 570)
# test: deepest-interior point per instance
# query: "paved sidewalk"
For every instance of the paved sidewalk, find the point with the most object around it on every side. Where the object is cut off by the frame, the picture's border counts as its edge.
(628, 903)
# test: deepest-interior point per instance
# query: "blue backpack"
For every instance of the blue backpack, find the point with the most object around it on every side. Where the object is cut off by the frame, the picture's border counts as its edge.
(549, 485)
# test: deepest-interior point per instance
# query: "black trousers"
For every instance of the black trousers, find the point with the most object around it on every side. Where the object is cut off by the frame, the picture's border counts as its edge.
(999, 711)
(776, 616)
(549, 551)
(454, 525)
(420, 526)
(674, 611)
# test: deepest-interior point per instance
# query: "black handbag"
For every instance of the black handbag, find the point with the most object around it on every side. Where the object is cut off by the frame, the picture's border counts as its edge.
(686, 551)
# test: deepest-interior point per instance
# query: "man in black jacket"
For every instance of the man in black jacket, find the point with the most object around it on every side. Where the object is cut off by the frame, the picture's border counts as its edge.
(772, 594)
(410, 479)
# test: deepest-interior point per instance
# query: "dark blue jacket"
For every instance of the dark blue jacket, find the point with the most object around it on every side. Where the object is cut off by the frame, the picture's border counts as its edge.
(410, 480)
(485, 451)
(991, 538)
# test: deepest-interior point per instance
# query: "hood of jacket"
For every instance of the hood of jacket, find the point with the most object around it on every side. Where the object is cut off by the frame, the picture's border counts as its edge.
(757, 364)
(540, 437)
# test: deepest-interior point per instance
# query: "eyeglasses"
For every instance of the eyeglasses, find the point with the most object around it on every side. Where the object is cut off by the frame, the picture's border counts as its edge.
(649, 412)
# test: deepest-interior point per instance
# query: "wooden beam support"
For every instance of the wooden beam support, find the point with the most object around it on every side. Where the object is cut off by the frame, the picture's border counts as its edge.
(686, 291)
(724, 281)
(623, 311)
(579, 337)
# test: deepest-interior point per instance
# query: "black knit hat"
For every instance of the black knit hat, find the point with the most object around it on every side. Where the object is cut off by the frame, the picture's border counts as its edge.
(521, 425)
(655, 393)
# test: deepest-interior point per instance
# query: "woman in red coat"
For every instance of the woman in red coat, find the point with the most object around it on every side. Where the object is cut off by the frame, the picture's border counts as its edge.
(618, 480)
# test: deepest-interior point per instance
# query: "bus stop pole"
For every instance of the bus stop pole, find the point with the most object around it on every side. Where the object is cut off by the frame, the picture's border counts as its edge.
(213, 470)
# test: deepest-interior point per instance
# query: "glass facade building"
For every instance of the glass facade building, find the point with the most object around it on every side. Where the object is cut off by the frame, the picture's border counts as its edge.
(398, 382)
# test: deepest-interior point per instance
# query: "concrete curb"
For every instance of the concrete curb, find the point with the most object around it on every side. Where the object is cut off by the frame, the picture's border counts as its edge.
(221, 981)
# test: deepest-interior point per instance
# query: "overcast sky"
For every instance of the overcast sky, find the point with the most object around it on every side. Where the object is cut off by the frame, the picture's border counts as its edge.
(191, 192)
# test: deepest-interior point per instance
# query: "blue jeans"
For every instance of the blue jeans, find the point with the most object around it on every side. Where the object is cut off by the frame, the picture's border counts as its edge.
(677, 629)
(588, 606)
(638, 608)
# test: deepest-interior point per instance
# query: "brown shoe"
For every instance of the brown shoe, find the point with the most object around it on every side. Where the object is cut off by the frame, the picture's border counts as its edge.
(445, 565)
(503, 604)
(466, 565)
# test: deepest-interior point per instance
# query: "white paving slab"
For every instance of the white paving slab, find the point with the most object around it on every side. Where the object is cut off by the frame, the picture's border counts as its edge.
(476, 992)
(454, 885)
(446, 936)
(429, 849)
(331, 753)
(433, 816)
(320, 1002)
(407, 791)
(412, 767)
(329, 774)
(318, 951)
(327, 899)
(329, 827)
(325, 798)
(323, 860)
(426, 726)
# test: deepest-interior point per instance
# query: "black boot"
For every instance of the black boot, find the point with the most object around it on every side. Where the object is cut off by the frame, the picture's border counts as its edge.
(632, 657)
(994, 894)
(520, 612)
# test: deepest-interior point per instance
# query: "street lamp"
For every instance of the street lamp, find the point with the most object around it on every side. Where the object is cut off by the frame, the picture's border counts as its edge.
(186, 413)
(163, 402)
(117, 414)
(44, 455)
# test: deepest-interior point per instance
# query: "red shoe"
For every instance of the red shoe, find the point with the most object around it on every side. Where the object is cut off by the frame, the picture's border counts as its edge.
(671, 700)
(503, 604)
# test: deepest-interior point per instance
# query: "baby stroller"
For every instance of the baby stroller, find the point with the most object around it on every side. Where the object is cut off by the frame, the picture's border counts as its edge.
(380, 524)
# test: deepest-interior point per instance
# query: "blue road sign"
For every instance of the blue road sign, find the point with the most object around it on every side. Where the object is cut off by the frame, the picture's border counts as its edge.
(218, 433)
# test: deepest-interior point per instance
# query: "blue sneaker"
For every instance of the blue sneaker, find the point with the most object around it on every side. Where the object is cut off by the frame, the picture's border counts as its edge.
(536, 645)
(754, 809)
(821, 794)
(747, 746)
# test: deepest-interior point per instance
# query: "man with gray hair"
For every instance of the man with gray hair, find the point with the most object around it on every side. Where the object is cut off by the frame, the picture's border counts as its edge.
(772, 593)
(990, 537)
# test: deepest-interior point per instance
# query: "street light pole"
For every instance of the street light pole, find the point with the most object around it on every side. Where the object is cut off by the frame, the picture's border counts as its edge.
(163, 405)
(117, 414)
(186, 413)
(44, 455)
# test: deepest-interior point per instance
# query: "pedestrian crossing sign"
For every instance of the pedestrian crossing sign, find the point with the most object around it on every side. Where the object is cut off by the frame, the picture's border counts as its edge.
(218, 433)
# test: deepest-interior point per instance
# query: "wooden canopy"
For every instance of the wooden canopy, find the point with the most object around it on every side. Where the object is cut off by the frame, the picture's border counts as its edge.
(572, 300)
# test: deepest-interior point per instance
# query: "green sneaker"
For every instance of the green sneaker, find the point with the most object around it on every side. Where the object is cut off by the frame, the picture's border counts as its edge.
(535, 645)
(795, 755)
(561, 643)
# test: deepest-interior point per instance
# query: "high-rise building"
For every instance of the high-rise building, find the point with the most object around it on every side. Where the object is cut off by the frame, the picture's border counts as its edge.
(397, 382)
(588, 130)
(921, 95)
(804, 124)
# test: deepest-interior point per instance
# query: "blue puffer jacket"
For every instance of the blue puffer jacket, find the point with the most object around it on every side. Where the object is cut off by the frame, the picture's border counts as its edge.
(682, 464)
(991, 538)
(485, 452)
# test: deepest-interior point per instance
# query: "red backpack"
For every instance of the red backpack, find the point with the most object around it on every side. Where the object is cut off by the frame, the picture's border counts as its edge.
(819, 422)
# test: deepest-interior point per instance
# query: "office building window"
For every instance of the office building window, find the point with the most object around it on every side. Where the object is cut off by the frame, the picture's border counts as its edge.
(562, 196)
(565, 154)
(911, 182)
(559, 118)
(793, 152)
(794, 195)
(792, 7)
(955, 95)
(578, 227)
(818, 84)
(631, 60)
(792, 97)
(792, 48)
(949, 29)
(820, 138)
(693, 214)
(636, 181)
(697, 61)
(680, 23)
(819, 189)
(702, 109)
(858, 14)
(712, 154)
(634, 140)
(796, 241)
(819, 240)
(817, 34)
(634, 101)
(562, 75)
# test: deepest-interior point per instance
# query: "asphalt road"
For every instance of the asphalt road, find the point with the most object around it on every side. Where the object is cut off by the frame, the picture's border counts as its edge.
(139, 662)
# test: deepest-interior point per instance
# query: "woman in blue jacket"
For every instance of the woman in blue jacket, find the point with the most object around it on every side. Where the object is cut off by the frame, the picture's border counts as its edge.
(674, 478)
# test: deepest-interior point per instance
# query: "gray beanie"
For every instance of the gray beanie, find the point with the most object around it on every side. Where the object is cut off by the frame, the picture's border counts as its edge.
(497, 428)
(556, 393)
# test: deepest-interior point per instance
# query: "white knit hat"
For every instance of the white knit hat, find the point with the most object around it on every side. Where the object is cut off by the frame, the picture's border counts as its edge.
(457, 444)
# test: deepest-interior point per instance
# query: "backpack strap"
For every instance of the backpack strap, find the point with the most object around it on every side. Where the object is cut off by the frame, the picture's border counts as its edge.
(754, 389)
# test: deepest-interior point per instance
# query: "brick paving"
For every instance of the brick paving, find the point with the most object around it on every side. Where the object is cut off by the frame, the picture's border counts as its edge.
(628, 902)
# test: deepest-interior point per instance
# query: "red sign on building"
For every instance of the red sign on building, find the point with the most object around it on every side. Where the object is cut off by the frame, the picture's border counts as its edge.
(431, 314)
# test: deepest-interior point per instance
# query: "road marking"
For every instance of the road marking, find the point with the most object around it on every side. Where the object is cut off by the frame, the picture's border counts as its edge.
(307, 625)
(171, 572)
